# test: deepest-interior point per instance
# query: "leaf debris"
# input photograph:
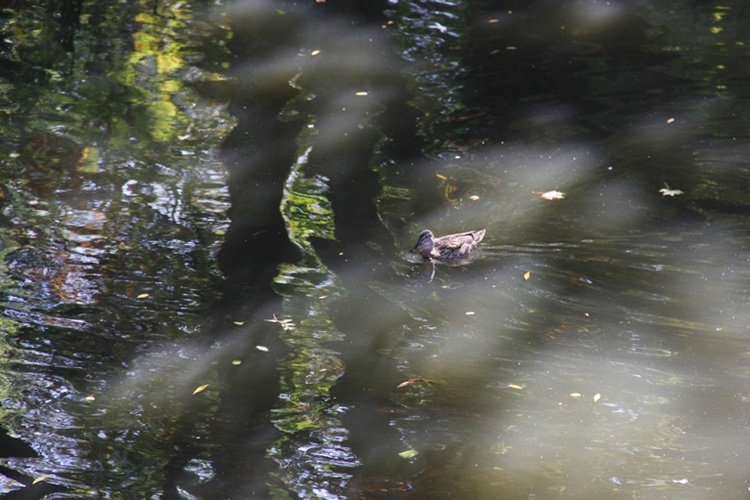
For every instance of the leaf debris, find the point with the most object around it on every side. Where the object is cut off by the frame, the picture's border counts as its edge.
(286, 324)
(408, 453)
(413, 380)
(200, 389)
(550, 195)
(665, 191)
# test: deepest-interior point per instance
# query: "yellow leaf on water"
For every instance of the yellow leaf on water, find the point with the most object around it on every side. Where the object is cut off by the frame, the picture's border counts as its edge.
(473, 197)
(680, 481)
(408, 454)
(514, 386)
(597, 397)
(527, 275)
(670, 120)
(361, 94)
(90, 399)
(236, 362)
(200, 389)
(441, 176)
(239, 323)
(314, 53)
(143, 296)
(575, 394)
(262, 348)
(39, 479)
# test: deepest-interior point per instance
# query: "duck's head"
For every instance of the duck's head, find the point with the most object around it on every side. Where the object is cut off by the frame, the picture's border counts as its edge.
(425, 243)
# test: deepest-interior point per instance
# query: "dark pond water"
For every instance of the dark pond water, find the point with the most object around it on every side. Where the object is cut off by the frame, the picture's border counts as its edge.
(206, 216)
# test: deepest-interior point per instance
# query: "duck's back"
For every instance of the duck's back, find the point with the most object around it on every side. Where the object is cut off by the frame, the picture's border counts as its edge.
(456, 246)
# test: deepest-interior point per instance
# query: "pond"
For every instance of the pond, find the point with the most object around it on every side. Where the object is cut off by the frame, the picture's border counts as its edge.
(207, 217)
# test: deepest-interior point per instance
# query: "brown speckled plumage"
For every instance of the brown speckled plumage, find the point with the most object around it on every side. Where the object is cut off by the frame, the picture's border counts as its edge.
(448, 247)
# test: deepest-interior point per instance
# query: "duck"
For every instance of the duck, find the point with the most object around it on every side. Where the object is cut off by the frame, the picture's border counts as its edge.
(448, 247)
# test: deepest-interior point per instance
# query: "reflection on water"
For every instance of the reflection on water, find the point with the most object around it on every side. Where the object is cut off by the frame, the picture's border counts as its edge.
(594, 346)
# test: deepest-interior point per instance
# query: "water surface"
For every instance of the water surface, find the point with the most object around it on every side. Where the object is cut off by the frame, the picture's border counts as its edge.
(207, 290)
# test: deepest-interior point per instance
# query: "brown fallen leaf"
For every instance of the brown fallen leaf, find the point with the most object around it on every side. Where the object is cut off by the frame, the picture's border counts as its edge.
(412, 380)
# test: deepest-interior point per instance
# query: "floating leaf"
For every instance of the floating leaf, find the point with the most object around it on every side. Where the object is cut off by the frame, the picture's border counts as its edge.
(441, 176)
(408, 454)
(261, 348)
(514, 386)
(239, 323)
(361, 94)
(473, 197)
(200, 389)
(680, 481)
(237, 362)
(90, 399)
(575, 394)
(665, 191)
(412, 380)
(314, 53)
(670, 120)
(286, 324)
(550, 195)
(527, 275)
(39, 479)
(597, 397)
(470, 313)
(143, 296)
